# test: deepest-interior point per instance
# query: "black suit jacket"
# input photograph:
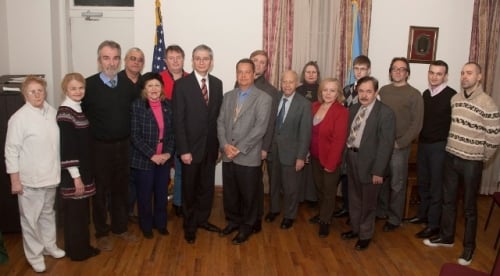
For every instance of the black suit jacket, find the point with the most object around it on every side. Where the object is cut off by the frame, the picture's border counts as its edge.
(377, 142)
(195, 123)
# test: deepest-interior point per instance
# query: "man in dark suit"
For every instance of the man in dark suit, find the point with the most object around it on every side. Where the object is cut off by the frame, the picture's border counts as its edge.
(370, 143)
(241, 126)
(196, 102)
(292, 135)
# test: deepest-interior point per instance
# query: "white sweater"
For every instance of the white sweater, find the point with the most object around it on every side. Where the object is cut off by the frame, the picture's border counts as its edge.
(32, 146)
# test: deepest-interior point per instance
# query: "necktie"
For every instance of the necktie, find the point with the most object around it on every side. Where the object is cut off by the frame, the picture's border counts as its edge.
(281, 114)
(355, 126)
(349, 95)
(204, 90)
(112, 83)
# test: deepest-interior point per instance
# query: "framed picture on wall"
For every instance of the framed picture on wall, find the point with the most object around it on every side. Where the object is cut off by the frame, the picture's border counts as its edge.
(422, 44)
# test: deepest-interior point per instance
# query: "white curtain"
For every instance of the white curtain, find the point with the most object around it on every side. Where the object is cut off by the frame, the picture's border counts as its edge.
(317, 35)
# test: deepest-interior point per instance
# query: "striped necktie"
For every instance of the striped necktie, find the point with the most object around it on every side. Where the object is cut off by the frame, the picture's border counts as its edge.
(355, 126)
(204, 90)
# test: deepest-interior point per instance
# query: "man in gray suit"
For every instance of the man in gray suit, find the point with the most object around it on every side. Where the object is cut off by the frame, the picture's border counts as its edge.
(292, 136)
(241, 125)
(370, 143)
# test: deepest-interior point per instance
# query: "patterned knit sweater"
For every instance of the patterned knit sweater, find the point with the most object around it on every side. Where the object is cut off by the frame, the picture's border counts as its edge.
(475, 126)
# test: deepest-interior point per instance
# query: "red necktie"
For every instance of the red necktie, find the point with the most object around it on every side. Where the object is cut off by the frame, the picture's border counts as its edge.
(204, 90)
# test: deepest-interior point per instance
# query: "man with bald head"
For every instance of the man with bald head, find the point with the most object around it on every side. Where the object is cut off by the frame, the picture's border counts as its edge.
(473, 139)
(291, 139)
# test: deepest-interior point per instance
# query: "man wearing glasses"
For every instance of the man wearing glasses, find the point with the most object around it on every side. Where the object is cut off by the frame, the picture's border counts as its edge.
(408, 106)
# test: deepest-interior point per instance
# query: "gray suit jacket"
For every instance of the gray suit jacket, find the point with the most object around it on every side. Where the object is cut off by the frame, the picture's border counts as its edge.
(247, 131)
(377, 142)
(292, 140)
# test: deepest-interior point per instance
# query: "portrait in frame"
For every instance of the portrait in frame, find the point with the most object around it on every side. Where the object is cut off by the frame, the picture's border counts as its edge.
(422, 44)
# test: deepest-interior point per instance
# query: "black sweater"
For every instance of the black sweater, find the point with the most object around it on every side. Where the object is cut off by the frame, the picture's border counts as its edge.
(437, 116)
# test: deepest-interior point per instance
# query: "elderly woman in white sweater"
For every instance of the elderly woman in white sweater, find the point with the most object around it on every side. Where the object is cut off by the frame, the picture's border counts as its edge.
(32, 161)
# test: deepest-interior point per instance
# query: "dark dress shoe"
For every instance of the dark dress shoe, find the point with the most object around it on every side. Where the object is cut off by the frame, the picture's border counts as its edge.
(314, 220)
(362, 244)
(312, 204)
(257, 227)
(241, 237)
(209, 227)
(389, 227)
(286, 223)
(341, 213)
(190, 237)
(381, 217)
(178, 210)
(427, 233)
(163, 231)
(324, 230)
(416, 220)
(271, 216)
(147, 234)
(438, 241)
(230, 228)
(349, 235)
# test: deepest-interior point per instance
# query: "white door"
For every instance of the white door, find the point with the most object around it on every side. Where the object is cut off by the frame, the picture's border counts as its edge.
(89, 26)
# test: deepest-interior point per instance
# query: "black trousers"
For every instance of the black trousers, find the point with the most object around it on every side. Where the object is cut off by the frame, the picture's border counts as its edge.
(112, 182)
(76, 228)
(198, 180)
(240, 194)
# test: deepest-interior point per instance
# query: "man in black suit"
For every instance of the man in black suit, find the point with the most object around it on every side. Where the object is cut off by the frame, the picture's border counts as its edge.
(370, 143)
(197, 99)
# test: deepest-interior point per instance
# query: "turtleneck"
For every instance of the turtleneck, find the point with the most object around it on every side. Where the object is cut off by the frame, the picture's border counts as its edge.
(72, 104)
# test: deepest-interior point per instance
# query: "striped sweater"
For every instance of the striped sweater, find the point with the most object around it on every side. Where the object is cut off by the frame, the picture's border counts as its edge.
(475, 126)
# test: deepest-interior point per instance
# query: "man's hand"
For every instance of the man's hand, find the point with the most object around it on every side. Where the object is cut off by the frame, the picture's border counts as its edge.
(263, 154)
(231, 151)
(187, 158)
(377, 179)
(299, 164)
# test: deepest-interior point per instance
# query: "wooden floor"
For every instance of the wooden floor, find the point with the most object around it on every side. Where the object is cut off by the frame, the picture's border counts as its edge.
(296, 251)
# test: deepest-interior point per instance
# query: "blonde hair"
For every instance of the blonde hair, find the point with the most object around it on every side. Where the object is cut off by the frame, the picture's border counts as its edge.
(69, 77)
(340, 94)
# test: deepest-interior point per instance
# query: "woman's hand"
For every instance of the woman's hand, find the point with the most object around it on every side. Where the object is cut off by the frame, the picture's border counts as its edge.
(79, 187)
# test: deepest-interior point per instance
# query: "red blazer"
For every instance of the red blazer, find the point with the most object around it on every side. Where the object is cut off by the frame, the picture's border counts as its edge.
(168, 82)
(332, 134)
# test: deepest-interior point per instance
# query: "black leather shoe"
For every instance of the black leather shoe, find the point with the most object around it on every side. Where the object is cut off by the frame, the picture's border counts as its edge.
(209, 227)
(348, 235)
(271, 216)
(415, 220)
(427, 233)
(190, 237)
(178, 210)
(438, 241)
(324, 230)
(163, 231)
(230, 228)
(257, 227)
(314, 219)
(241, 238)
(341, 213)
(147, 234)
(383, 217)
(286, 223)
(362, 244)
(389, 227)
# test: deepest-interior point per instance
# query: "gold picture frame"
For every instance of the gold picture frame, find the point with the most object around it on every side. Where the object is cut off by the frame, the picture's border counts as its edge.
(422, 44)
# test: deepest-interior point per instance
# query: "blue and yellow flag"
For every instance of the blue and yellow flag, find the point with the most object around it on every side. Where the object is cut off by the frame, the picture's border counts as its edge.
(356, 38)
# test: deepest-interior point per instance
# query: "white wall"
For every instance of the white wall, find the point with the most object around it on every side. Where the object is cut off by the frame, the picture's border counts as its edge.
(232, 28)
(389, 35)
(4, 44)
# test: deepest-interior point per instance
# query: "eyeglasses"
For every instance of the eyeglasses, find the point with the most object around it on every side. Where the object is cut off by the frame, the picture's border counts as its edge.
(399, 70)
(132, 58)
(36, 92)
(199, 59)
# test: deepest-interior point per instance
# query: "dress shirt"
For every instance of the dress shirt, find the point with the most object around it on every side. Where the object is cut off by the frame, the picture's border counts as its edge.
(106, 80)
(287, 106)
(199, 78)
(359, 132)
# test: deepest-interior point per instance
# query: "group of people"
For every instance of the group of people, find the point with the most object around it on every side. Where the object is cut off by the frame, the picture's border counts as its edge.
(117, 134)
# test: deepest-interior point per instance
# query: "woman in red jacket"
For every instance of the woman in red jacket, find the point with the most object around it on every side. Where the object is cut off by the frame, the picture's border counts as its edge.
(327, 144)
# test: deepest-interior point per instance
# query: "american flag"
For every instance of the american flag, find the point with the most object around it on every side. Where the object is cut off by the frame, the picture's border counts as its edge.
(159, 50)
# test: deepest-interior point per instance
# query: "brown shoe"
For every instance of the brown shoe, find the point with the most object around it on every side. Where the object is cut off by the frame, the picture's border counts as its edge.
(104, 243)
(127, 236)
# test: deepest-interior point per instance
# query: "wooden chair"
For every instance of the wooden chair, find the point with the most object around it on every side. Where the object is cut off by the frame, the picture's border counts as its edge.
(411, 188)
(496, 200)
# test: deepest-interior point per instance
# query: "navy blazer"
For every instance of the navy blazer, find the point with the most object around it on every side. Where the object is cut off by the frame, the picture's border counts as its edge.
(145, 132)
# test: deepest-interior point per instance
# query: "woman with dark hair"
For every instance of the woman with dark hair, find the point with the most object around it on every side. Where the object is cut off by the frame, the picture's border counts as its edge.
(152, 148)
(77, 178)
(328, 139)
(309, 88)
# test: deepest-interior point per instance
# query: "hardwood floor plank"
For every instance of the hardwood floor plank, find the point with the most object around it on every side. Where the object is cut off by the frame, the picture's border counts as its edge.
(295, 251)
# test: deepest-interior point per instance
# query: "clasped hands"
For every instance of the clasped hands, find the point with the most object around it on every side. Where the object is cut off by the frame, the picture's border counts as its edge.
(231, 151)
(160, 159)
